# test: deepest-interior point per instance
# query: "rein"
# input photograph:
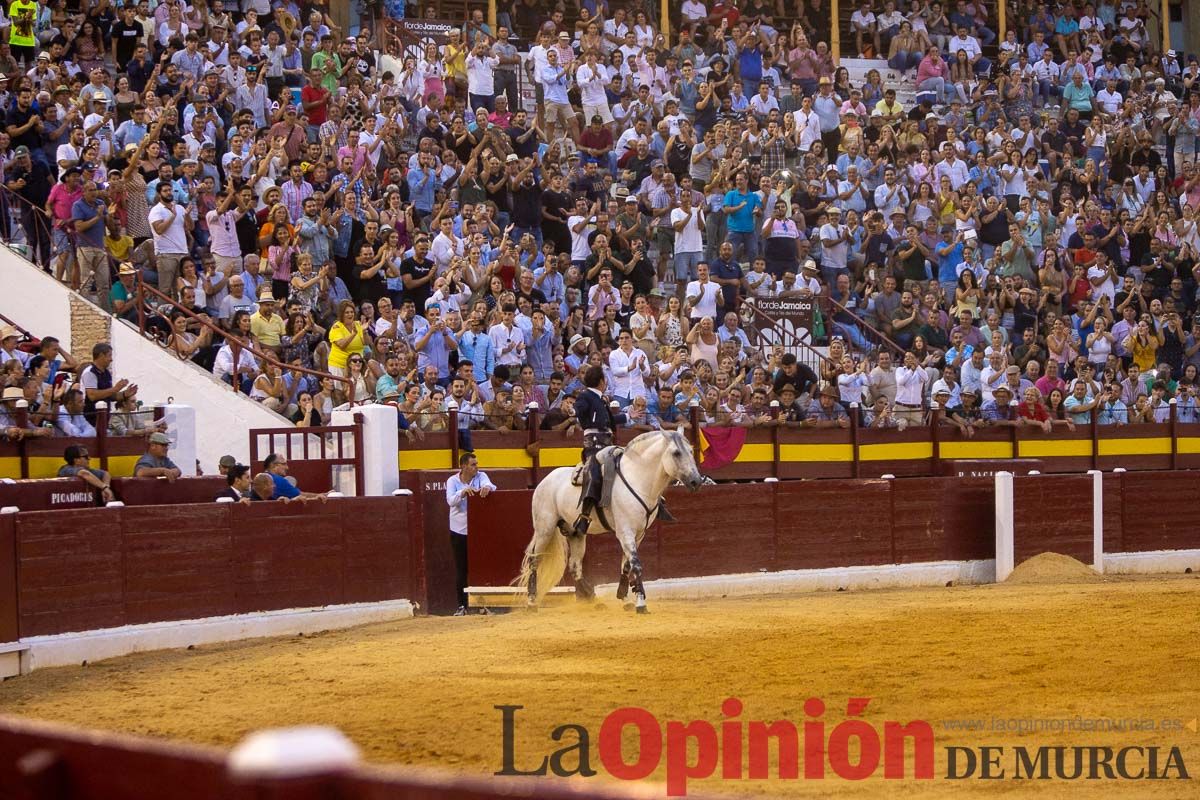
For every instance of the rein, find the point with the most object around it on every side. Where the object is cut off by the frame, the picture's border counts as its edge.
(636, 496)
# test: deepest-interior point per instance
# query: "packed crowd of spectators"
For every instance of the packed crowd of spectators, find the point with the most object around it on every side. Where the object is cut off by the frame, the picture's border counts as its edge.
(1018, 245)
(45, 392)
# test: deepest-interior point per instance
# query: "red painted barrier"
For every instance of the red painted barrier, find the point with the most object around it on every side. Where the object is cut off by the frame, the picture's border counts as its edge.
(52, 494)
(1052, 513)
(437, 562)
(770, 527)
(100, 568)
(9, 629)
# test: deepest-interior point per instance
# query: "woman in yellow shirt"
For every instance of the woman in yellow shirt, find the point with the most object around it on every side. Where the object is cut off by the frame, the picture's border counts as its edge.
(1143, 345)
(346, 338)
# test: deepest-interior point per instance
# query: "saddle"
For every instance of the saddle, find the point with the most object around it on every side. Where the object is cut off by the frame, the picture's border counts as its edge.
(607, 459)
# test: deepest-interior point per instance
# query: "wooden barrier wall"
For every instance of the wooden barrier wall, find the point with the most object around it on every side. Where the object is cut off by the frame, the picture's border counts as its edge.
(766, 526)
(84, 569)
(61, 493)
(42, 760)
(741, 528)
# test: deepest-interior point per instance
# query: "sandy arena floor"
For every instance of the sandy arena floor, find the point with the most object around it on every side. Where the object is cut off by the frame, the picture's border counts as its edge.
(422, 691)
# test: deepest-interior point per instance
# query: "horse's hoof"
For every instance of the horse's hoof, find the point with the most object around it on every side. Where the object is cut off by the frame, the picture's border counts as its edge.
(628, 606)
(643, 610)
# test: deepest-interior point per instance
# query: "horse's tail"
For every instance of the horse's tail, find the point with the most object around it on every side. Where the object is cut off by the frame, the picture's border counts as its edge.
(547, 554)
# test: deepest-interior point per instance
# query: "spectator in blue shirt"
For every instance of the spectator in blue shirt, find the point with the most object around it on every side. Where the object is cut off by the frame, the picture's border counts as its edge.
(276, 466)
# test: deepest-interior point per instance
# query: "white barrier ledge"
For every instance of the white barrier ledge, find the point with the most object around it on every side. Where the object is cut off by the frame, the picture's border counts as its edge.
(934, 573)
(1152, 561)
(65, 649)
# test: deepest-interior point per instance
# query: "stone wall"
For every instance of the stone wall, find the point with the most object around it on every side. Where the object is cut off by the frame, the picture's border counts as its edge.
(89, 326)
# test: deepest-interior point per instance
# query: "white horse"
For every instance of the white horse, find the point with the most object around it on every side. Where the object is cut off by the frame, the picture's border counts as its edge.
(648, 465)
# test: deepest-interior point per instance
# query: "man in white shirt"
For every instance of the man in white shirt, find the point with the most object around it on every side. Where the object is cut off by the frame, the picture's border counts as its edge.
(615, 30)
(1049, 78)
(481, 71)
(864, 24)
(446, 246)
(835, 239)
(702, 296)
(69, 153)
(964, 41)
(169, 222)
(688, 223)
(910, 390)
(953, 168)
(1109, 98)
(629, 369)
(890, 195)
(592, 77)
(508, 341)
(467, 482)
(992, 375)
(581, 223)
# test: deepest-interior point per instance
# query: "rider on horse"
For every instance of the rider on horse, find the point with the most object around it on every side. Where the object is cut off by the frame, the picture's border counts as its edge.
(597, 422)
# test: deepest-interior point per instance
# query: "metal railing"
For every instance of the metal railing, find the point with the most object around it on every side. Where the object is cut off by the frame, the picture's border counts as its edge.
(315, 449)
(236, 345)
(830, 307)
(805, 353)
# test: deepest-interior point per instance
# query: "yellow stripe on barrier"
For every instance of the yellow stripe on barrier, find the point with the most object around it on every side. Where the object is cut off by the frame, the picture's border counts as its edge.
(1158, 446)
(1190, 444)
(122, 466)
(1072, 448)
(10, 468)
(47, 466)
(504, 458)
(558, 457)
(816, 452)
(755, 452)
(900, 451)
(424, 459)
(975, 450)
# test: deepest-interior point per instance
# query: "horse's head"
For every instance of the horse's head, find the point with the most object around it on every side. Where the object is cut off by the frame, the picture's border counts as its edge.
(678, 461)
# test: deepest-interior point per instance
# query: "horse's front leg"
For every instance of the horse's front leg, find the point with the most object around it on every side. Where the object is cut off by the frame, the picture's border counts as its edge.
(629, 540)
(623, 584)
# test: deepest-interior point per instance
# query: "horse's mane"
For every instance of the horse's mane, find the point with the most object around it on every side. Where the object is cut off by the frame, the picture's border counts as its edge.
(644, 440)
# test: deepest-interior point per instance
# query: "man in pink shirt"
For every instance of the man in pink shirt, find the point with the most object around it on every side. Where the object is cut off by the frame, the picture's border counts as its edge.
(62, 197)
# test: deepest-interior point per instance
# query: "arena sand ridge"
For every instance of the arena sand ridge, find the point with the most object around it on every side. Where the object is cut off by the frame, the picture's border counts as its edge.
(1055, 684)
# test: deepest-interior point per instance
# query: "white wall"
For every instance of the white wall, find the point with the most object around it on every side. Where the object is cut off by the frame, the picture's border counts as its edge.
(223, 418)
(36, 301)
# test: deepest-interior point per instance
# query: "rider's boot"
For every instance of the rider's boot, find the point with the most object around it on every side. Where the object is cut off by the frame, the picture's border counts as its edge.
(584, 520)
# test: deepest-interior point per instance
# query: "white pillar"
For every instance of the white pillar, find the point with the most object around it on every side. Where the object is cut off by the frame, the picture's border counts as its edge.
(1004, 525)
(181, 427)
(381, 469)
(1097, 519)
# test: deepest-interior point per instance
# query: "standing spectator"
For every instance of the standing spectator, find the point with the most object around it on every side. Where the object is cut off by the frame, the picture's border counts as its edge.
(468, 481)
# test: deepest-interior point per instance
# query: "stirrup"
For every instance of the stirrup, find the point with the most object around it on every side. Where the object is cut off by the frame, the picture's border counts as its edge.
(581, 525)
(665, 515)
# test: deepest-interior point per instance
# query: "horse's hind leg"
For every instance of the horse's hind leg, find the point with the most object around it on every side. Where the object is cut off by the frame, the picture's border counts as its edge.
(543, 539)
(577, 546)
(623, 583)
